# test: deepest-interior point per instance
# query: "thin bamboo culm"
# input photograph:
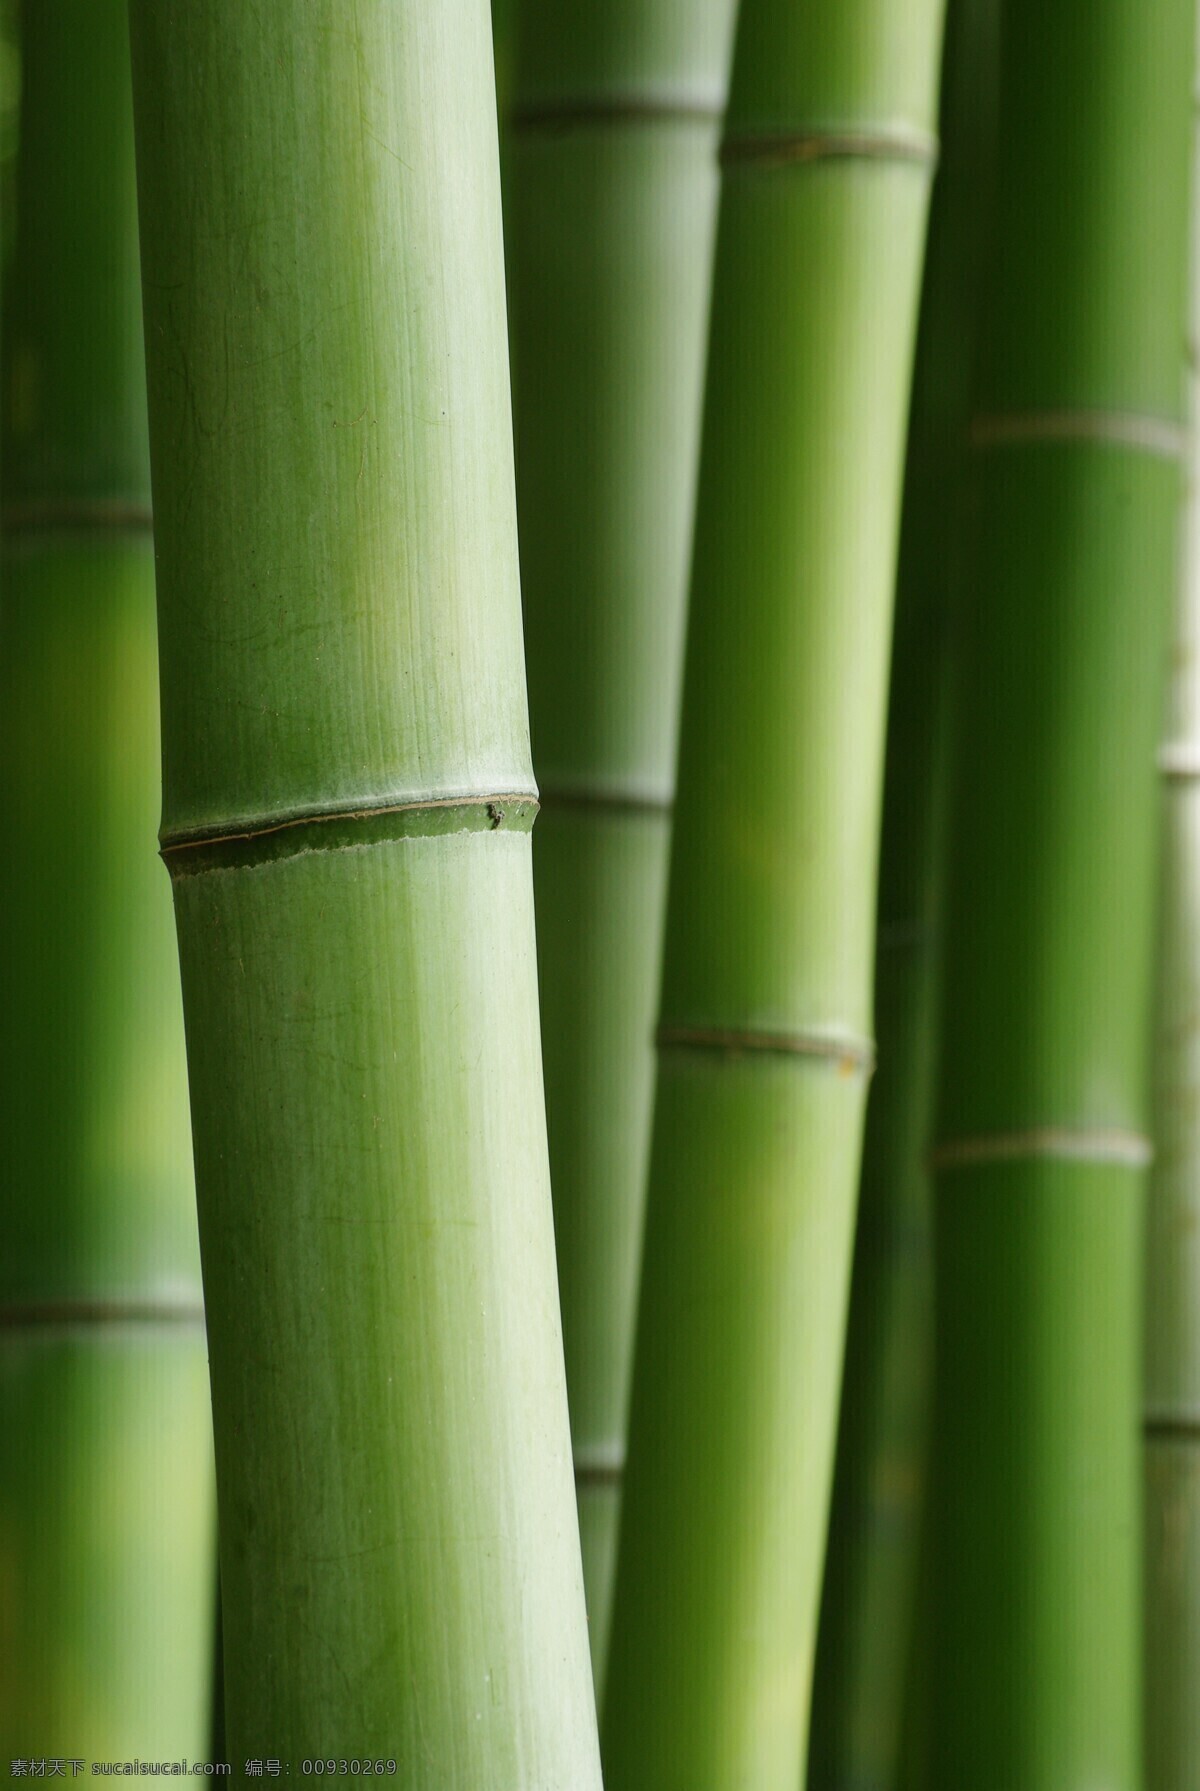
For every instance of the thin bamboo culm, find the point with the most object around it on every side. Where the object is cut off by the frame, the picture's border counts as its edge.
(106, 1498)
(871, 1563)
(347, 806)
(1041, 1145)
(1171, 1615)
(764, 1040)
(610, 194)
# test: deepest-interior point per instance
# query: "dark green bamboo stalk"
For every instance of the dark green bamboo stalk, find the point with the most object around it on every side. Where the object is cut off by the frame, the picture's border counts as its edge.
(503, 31)
(766, 1004)
(106, 1491)
(1041, 1146)
(867, 1604)
(10, 112)
(611, 195)
(1171, 1615)
(346, 817)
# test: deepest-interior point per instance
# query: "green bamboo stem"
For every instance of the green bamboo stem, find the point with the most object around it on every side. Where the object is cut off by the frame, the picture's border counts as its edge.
(1041, 1142)
(766, 1002)
(346, 817)
(106, 1495)
(503, 32)
(867, 1607)
(1171, 1617)
(611, 197)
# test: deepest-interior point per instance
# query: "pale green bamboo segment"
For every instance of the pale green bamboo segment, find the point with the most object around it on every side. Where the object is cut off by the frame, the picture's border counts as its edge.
(611, 187)
(400, 1558)
(869, 1597)
(1041, 1144)
(327, 359)
(106, 1490)
(346, 738)
(765, 1014)
(1171, 1561)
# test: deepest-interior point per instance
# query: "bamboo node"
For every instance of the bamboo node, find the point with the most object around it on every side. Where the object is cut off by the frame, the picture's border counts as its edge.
(1172, 1427)
(1061, 1143)
(31, 1315)
(853, 1056)
(1118, 429)
(1179, 759)
(783, 149)
(555, 117)
(76, 516)
(624, 802)
(187, 853)
(599, 1468)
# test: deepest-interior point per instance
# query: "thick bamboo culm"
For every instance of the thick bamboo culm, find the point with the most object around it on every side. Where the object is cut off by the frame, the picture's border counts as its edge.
(1041, 1146)
(347, 806)
(1171, 1618)
(106, 1491)
(610, 190)
(867, 1607)
(764, 1041)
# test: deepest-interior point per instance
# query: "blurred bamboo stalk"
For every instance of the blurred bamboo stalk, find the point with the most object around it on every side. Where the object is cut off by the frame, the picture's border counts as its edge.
(610, 191)
(871, 1563)
(1041, 1146)
(106, 1513)
(766, 1005)
(1172, 1378)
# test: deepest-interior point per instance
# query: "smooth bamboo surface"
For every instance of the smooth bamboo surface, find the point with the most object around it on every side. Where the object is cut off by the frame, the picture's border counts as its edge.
(766, 1004)
(611, 187)
(106, 1519)
(871, 1562)
(346, 812)
(1171, 1613)
(1041, 1147)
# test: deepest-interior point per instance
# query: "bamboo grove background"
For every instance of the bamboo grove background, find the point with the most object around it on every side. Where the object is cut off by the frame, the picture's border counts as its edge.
(672, 594)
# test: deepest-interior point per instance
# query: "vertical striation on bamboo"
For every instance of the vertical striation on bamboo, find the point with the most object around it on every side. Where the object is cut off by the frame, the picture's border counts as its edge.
(1041, 1147)
(764, 1040)
(106, 1521)
(347, 805)
(611, 187)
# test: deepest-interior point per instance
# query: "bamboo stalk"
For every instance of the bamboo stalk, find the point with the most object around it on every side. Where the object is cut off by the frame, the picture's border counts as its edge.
(10, 113)
(346, 817)
(611, 198)
(765, 1015)
(503, 33)
(106, 1495)
(1042, 1150)
(868, 1597)
(1171, 1615)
